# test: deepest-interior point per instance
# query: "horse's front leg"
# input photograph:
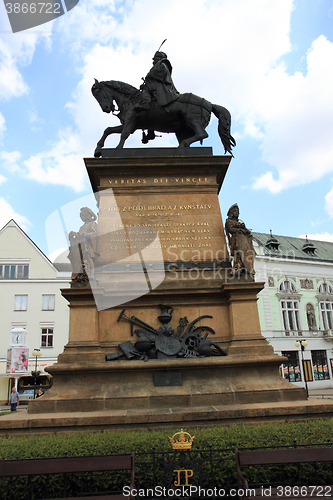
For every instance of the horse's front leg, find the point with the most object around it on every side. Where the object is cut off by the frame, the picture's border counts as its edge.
(108, 131)
(127, 131)
(121, 143)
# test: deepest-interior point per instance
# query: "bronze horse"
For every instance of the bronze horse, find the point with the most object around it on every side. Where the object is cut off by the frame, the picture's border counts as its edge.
(187, 117)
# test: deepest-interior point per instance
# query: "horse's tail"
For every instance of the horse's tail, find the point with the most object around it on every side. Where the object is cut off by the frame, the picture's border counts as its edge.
(224, 125)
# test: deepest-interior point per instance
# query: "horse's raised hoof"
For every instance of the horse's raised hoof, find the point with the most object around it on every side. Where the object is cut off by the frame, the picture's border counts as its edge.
(98, 153)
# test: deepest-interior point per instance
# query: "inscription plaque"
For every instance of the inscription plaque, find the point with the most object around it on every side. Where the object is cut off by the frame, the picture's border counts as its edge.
(168, 379)
(173, 209)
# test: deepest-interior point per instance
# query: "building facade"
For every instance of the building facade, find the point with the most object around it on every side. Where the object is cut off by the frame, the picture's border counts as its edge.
(296, 305)
(31, 302)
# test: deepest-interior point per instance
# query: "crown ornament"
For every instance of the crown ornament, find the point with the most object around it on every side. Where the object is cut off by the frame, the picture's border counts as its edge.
(183, 442)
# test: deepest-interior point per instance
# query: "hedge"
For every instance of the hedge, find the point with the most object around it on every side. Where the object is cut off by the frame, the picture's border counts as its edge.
(218, 438)
(117, 442)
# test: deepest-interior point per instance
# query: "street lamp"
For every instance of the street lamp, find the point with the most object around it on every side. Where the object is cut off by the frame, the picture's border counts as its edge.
(36, 353)
(303, 344)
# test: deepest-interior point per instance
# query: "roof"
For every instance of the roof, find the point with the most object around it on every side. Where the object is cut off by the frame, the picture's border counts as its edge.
(291, 248)
(12, 223)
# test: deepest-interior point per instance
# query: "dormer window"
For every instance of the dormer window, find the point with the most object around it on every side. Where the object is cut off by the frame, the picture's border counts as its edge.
(272, 243)
(309, 248)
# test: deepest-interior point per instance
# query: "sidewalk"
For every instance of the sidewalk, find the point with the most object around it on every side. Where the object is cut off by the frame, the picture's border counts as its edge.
(23, 406)
(321, 393)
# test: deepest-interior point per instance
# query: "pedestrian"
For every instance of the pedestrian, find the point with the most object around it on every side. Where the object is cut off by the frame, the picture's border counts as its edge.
(14, 399)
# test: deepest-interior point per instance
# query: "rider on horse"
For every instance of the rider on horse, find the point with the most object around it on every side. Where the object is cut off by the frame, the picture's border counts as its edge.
(159, 106)
(158, 83)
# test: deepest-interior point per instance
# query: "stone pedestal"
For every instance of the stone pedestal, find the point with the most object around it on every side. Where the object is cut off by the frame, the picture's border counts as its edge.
(161, 241)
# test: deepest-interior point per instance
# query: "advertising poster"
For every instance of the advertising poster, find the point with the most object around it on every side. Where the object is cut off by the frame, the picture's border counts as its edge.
(18, 360)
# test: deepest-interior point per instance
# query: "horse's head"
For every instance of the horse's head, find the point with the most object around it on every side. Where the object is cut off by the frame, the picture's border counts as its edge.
(123, 94)
(104, 96)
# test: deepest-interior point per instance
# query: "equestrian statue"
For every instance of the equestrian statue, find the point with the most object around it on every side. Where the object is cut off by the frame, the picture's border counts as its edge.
(158, 106)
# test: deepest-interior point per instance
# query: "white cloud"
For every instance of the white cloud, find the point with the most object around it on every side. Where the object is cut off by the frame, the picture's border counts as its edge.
(89, 23)
(251, 129)
(7, 213)
(11, 80)
(2, 179)
(10, 160)
(62, 164)
(318, 237)
(16, 51)
(267, 181)
(299, 122)
(329, 203)
(59, 255)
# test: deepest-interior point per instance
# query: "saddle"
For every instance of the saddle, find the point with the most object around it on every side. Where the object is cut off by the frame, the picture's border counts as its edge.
(187, 98)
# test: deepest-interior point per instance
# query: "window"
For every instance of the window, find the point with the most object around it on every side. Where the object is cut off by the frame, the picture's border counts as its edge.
(291, 369)
(320, 366)
(326, 315)
(47, 337)
(287, 286)
(48, 302)
(325, 288)
(14, 272)
(21, 302)
(290, 315)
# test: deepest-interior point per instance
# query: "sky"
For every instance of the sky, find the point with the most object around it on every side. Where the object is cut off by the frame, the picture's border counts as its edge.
(269, 62)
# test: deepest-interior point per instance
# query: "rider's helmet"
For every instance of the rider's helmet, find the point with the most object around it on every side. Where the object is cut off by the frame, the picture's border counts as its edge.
(158, 56)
